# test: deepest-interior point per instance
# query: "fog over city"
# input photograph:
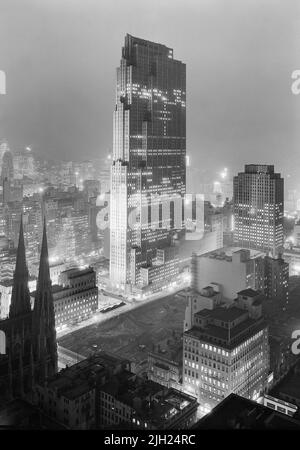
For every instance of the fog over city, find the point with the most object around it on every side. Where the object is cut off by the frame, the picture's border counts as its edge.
(60, 59)
(149, 217)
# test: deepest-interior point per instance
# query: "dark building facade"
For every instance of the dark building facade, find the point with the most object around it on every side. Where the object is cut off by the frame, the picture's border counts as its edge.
(28, 337)
(277, 280)
(149, 155)
(238, 413)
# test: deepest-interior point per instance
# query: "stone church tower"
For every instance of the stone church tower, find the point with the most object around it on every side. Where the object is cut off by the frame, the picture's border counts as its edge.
(30, 338)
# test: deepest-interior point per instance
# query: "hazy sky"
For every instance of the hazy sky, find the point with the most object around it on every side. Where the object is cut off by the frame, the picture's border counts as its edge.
(60, 58)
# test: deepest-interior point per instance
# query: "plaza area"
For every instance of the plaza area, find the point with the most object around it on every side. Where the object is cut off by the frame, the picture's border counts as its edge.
(154, 326)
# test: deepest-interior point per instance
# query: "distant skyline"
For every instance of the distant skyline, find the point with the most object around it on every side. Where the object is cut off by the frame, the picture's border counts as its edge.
(60, 58)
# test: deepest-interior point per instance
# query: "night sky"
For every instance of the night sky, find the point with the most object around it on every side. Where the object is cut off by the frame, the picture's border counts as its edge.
(60, 58)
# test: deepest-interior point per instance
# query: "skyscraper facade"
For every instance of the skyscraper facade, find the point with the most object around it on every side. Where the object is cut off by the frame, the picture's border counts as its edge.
(277, 281)
(149, 154)
(258, 208)
(226, 350)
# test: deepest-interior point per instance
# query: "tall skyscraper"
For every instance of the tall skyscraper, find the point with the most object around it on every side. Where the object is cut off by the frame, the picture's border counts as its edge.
(7, 169)
(258, 208)
(149, 156)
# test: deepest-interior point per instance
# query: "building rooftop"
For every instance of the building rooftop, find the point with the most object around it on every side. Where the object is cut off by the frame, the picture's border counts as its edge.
(236, 412)
(152, 402)
(249, 293)
(223, 314)
(226, 337)
(76, 272)
(72, 382)
(225, 253)
(259, 168)
(289, 386)
(55, 288)
(171, 353)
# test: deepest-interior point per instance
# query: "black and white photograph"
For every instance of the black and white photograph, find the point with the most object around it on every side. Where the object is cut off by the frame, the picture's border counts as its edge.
(149, 218)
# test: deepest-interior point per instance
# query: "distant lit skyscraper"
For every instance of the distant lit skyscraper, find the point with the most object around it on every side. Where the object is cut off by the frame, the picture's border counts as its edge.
(2, 82)
(258, 208)
(149, 155)
(24, 164)
(6, 162)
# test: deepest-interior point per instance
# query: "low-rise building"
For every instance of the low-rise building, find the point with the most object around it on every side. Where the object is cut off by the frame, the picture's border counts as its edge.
(233, 269)
(208, 298)
(129, 400)
(76, 298)
(165, 367)
(70, 396)
(162, 272)
(288, 388)
(279, 405)
(101, 391)
(226, 351)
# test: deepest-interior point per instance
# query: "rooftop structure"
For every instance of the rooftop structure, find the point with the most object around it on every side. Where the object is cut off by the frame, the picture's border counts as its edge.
(236, 412)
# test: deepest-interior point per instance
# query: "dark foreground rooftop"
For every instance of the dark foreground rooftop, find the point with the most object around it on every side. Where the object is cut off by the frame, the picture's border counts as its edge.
(236, 412)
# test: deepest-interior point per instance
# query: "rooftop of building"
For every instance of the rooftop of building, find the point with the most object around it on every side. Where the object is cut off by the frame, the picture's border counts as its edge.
(226, 253)
(55, 288)
(169, 351)
(152, 402)
(289, 386)
(224, 314)
(209, 291)
(236, 412)
(72, 382)
(132, 40)
(279, 260)
(249, 293)
(76, 272)
(259, 168)
(58, 288)
(226, 337)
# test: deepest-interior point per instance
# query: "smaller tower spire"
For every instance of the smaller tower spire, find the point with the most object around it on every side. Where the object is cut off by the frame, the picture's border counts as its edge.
(44, 317)
(20, 299)
(44, 280)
